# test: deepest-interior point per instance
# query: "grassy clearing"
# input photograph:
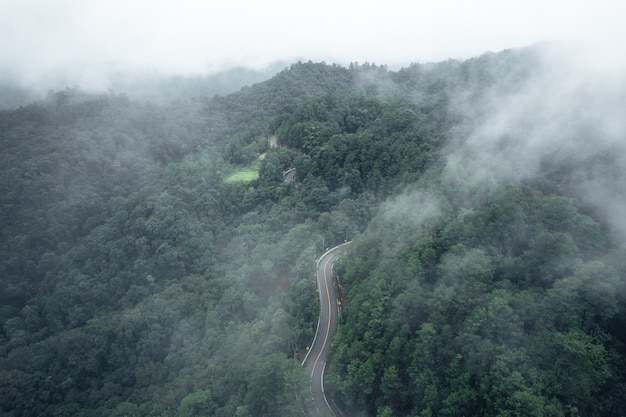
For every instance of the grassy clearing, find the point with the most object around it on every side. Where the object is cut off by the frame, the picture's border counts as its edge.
(246, 174)
(243, 175)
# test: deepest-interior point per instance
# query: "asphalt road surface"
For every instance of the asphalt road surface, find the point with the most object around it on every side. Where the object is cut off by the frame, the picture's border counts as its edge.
(315, 360)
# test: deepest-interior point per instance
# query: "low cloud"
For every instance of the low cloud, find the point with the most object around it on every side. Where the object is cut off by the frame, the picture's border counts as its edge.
(566, 123)
(38, 37)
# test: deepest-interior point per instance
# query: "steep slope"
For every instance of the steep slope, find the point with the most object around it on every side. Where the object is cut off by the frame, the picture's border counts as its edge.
(495, 284)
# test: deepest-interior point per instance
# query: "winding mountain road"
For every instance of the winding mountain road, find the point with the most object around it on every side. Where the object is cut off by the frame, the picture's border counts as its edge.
(315, 360)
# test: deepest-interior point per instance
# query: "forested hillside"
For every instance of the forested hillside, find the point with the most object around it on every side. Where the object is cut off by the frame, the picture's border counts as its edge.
(136, 280)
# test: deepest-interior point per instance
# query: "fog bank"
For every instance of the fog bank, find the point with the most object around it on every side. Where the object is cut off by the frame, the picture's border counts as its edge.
(565, 123)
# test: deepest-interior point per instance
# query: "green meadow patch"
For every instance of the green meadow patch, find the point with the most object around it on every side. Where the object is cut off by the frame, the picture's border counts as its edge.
(243, 175)
(246, 174)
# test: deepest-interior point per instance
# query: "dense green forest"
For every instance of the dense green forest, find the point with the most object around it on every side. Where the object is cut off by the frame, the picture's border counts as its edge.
(136, 281)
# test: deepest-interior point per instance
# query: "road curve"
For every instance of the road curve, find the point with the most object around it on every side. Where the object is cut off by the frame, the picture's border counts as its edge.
(315, 360)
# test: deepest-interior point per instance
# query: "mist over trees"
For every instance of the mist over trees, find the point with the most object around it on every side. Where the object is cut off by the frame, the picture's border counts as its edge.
(154, 87)
(485, 277)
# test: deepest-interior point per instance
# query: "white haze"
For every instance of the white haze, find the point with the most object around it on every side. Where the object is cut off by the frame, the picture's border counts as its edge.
(84, 40)
(570, 114)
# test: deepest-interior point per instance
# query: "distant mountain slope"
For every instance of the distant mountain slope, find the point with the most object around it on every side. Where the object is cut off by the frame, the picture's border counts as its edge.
(156, 88)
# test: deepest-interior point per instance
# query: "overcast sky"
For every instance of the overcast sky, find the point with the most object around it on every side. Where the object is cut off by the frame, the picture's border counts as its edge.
(194, 36)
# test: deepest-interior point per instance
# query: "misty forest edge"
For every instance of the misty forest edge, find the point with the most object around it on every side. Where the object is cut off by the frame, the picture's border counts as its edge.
(136, 280)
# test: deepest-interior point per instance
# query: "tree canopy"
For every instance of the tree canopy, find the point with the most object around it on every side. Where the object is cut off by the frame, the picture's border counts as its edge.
(135, 280)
